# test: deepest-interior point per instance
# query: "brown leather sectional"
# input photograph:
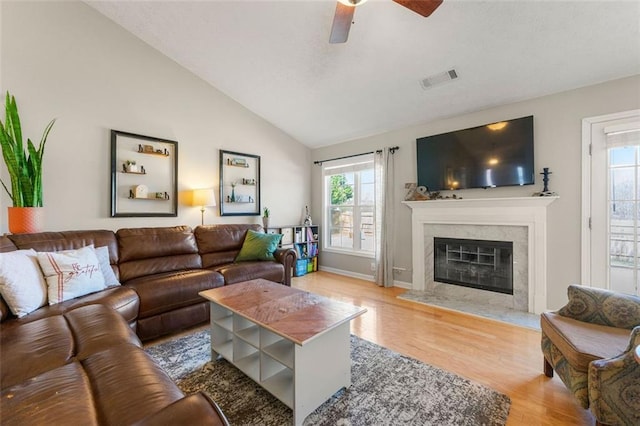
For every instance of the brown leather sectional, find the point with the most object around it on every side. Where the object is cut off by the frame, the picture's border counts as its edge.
(81, 361)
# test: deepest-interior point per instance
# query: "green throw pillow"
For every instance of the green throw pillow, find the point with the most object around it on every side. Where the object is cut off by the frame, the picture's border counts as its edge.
(258, 246)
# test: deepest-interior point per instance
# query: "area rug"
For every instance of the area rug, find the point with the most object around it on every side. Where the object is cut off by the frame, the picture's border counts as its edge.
(523, 319)
(387, 389)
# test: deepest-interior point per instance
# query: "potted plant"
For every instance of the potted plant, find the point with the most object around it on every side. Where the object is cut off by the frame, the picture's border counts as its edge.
(131, 166)
(25, 171)
(265, 218)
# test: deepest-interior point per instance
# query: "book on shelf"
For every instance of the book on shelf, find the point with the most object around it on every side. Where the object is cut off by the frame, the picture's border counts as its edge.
(301, 251)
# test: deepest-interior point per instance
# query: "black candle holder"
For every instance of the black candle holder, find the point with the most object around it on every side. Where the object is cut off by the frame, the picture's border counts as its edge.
(545, 179)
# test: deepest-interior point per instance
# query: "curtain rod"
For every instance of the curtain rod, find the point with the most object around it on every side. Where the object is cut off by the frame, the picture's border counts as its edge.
(392, 150)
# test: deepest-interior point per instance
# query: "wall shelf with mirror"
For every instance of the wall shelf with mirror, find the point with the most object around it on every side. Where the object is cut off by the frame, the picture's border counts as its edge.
(239, 184)
(133, 156)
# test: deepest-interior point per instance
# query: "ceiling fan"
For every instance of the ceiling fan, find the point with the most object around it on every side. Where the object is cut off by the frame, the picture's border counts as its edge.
(345, 8)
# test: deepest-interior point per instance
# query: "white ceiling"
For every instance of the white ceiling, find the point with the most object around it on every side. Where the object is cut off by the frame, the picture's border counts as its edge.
(274, 57)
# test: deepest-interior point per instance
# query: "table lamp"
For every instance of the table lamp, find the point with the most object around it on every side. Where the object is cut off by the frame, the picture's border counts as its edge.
(203, 198)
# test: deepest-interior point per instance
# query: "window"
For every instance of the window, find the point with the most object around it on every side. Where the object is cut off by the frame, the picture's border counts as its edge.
(349, 206)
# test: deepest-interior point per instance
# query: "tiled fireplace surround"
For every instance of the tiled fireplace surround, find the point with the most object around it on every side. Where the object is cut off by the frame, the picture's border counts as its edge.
(521, 220)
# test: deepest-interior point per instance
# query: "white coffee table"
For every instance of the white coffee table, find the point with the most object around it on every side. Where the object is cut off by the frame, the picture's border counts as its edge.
(293, 343)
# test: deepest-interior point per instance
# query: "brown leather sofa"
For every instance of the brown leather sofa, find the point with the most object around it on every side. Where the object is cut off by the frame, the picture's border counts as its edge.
(81, 352)
(162, 270)
(87, 367)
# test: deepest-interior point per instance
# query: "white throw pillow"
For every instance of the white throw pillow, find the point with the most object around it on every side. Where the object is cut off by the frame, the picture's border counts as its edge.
(110, 279)
(71, 273)
(21, 282)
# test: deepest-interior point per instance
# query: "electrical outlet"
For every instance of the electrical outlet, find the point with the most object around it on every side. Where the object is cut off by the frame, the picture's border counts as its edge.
(373, 266)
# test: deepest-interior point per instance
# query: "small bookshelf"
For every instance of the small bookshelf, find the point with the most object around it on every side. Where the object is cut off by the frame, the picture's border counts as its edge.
(305, 240)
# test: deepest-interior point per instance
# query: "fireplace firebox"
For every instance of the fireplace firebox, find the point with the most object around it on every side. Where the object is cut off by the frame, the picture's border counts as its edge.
(485, 265)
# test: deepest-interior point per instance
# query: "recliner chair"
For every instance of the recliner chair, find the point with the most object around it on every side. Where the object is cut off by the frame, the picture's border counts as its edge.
(590, 343)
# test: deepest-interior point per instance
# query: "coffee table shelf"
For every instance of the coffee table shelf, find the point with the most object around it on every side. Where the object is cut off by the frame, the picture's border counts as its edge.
(250, 335)
(281, 351)
(280, 385)
(249, 365)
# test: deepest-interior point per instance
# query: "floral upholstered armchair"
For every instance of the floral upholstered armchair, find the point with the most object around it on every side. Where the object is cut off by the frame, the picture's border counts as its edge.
(590, 343)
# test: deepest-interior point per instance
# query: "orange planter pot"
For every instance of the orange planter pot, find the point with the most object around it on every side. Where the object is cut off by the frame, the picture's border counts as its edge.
(26, 220)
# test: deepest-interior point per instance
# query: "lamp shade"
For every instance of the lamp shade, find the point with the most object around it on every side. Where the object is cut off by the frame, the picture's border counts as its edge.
(203, 198)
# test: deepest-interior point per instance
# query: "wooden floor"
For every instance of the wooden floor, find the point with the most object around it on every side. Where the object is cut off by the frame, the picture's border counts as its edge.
(504, 357)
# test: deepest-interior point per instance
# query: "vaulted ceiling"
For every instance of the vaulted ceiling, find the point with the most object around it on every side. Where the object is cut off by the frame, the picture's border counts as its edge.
(274, 57)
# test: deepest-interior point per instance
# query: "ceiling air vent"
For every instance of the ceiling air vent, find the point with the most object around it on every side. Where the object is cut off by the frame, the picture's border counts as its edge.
(437, 79)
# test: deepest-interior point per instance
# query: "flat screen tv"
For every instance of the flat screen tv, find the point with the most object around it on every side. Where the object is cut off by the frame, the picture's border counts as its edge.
(496, 154)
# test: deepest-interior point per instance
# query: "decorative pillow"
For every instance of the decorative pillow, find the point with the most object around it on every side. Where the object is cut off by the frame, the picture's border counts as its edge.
(21, 282)
(110, 280)
(258, 246)
(71, 273)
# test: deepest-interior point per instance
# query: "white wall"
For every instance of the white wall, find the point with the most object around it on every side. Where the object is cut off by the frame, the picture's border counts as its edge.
(557, 128)
(65, 60)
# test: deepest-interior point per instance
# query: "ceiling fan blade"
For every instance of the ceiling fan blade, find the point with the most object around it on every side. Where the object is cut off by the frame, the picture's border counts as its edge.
(422, 7)
(341, 23)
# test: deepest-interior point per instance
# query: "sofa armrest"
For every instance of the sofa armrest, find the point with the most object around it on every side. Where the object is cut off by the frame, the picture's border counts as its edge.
(613, 386)
(604, 307)
(286, 256)
(196, 409)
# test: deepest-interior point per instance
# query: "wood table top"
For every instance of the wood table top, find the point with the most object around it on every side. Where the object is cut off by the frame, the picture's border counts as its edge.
(294, 314)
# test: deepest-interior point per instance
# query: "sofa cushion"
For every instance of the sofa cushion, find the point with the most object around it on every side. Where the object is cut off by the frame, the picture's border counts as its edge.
(128, 385)
(244, 271)
(151, 251)
(33, 349)
(71, 273)
(220, 244)
(21, 282)
(110, 279)
(123, 299)
(59, 396)
(54, 341)
(604, 307)
(172, 290)
(258, 246)
(68, 240)
(582, 342)
(87, 324)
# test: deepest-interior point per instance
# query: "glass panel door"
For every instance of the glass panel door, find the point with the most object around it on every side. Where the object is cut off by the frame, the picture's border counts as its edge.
(623, 209)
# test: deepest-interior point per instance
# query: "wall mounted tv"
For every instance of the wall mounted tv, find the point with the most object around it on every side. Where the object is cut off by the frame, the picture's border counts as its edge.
(496, 154)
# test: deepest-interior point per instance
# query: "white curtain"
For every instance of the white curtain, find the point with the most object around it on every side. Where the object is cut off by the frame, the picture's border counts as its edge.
(384, 172)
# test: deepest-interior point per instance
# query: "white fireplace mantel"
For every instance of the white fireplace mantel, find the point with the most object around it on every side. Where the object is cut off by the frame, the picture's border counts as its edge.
(530, 212)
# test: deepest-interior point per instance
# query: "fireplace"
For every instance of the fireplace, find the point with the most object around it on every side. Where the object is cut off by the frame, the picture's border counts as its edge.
(481, 264)
(522, 220)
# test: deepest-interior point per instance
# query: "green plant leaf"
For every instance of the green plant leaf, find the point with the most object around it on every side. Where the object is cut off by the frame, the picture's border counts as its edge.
(25, 168)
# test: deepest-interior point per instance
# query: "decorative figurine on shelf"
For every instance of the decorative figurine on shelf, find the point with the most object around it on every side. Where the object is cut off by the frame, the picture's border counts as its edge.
(233, 193)
(307, 217)
(265, 218)
(545, 181)
(411, 191)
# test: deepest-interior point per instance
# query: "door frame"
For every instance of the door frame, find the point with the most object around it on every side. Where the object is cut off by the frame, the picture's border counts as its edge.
(587, 139)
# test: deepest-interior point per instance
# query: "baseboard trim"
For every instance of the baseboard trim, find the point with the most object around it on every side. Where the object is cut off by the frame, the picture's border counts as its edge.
(347, 273)
(402, 284)
(371, 278)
